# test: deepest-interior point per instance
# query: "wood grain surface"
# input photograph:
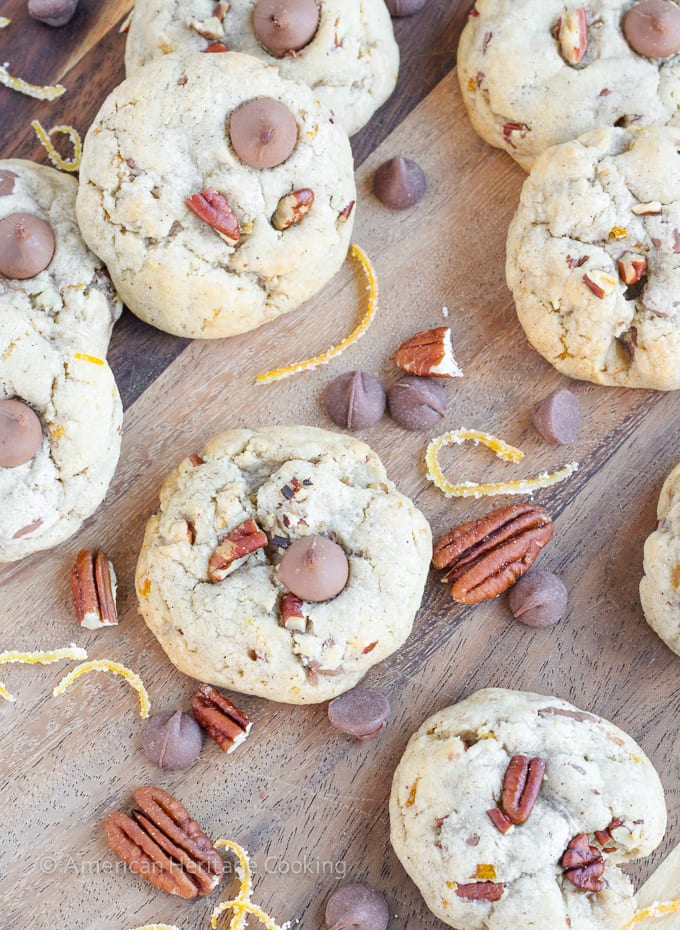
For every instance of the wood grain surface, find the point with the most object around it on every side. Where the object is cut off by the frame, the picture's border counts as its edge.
(310, 805)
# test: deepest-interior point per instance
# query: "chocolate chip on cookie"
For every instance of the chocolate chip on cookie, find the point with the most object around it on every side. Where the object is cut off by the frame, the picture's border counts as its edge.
(263, 132)
(20, 433)
(26, 245)
(652, 28)
(314, 568)
(284, 26)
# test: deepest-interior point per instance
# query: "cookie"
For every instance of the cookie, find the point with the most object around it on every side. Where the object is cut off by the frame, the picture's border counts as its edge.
(257, 624)
(343, 49)
(593, 257)
(660, 585)
(60, 412)
(534, 73)
(590, 796)
(146, 209)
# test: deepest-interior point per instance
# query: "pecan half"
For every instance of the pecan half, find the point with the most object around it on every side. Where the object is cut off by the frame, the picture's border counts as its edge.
(214, 209)
(485, 557)
(481, 891)
(211, 28)
(221, 719)
(631, 267)
(511, 127)
(428, 354)
(247, 537)
(572, 36)
(161, 843)
(216, 47)
(583, 864)
(521, 786)
(292, 616)
(292, 209)
(93, 586)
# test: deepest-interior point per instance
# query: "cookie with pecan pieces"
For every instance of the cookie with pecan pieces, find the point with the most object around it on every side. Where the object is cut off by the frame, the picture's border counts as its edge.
(593, 257)
(344, 49)
(282, 563)
(534, 73)
(511, 809)
(244, 212)
(660, 585)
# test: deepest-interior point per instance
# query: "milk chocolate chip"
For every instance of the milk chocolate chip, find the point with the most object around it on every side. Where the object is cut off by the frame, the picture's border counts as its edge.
(558, 417)
(417, 403)
(172, 740)
(314, 568)
(405, 7)
(6, 181)
(652, 28)
(52, 12)
(20, 433)
(284, 26)
(263, 132)
(361, 713)
(26, 245)
(399, 183)
(355, 400)
(539, 599)
(357, 907)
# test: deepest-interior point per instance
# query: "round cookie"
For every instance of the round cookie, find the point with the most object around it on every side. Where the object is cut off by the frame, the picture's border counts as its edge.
(593, 257)
(170, 266)
(475, 877)
(53, 340)
(351, 62)
(293, 482)
(524, 90)
(660, 585)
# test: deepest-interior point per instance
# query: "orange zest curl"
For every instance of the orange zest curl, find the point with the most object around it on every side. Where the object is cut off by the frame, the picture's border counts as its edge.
(278, 374)
(503, 451)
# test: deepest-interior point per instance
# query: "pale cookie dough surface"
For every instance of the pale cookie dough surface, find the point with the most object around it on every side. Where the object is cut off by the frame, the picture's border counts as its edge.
(170, 267)
(229, 633)
(660, 585)
(443, 836)
(53, 340)
(351, 64)
(575, 220)
(522, 96)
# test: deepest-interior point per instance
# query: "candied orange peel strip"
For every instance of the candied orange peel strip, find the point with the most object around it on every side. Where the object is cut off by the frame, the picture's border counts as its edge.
(45, 137)
(278, 374)
(106, 665)
(38, 658)
(241, 905)
(659, 909)
(503, 451)
(92, 359)
(39, 91)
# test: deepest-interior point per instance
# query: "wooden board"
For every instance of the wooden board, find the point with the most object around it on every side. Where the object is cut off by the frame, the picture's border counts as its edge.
(309, 805)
